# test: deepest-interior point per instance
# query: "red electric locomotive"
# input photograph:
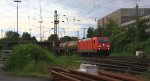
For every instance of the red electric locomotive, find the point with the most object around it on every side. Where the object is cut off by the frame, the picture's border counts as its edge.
(96, 46)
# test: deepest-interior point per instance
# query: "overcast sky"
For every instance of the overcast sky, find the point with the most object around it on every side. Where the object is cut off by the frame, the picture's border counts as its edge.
(78, 14)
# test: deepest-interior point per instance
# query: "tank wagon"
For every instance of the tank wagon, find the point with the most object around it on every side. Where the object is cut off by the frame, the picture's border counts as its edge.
(69, 47)
(96, 46)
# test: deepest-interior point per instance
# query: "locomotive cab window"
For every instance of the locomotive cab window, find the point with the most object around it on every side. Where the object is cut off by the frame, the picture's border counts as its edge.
(104, 41)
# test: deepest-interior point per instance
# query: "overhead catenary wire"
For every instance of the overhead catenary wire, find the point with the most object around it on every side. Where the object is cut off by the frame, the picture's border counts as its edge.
(68, 18)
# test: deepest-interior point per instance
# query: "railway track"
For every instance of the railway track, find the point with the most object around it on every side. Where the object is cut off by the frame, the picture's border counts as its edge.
(129, 65)
(71, 75)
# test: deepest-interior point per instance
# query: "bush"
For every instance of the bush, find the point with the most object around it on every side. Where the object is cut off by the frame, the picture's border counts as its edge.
(25, 54)
(129, 48)
(146, 46)
(132, 47)
(143, 46)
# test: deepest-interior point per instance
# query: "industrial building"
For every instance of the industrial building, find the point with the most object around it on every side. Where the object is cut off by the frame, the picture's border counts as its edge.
(125, 16)
(133, 22)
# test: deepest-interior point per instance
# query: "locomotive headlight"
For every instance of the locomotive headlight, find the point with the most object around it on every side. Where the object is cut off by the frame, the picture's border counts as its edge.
(99, 46)
(108, 46)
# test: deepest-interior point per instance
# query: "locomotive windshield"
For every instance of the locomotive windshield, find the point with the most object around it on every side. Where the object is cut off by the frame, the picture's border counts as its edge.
(104, 41)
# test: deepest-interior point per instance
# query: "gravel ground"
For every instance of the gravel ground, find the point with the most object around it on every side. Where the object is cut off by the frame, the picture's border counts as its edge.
(5, 77)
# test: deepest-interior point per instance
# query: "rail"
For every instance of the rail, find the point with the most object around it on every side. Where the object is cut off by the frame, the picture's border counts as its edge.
(71, 75)
(134, 66)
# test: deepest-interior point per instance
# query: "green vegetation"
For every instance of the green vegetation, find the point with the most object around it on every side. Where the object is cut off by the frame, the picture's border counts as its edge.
(32, 60)
(38, 69)
(69, 62)
(146, 46)
(10, 35)
(124, 40)
(90, 32)
(27, 37)
(29, 59)
(53, 37)
(122, 54)
(13, 36)
(67, 38)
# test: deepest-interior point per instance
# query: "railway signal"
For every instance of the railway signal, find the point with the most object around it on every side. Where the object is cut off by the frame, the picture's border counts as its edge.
(56, 43)
(56, 22)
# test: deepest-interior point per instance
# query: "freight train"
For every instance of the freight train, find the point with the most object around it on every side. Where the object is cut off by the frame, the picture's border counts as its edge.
(96, 46)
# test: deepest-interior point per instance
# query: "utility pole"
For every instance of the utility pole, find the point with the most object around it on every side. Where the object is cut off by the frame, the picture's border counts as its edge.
(84, 32)
(56, 22)
(30, 31)
(43, 32)
(29, 18)
(63, 30)
(41, 21)
(1, 33)
(77, 33)
(17, 1)
(137, 23)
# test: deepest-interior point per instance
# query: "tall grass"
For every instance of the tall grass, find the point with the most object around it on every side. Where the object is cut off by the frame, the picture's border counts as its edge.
(69, 62)
(38, 69)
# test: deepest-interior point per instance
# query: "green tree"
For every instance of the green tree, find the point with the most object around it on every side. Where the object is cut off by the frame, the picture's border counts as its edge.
(99, 31)
(12, 36)
(90, 32)
(141, 31)
(130, 34)
(74, 38)
(53, 38)
(116, 33)
(110, 27)
(2, 44)
(26, 36)
(33, 39)
(67, 38)
(118, 38)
